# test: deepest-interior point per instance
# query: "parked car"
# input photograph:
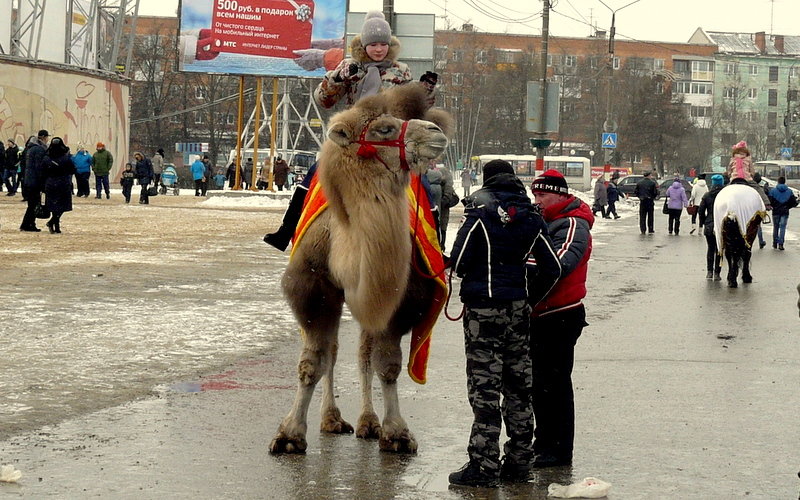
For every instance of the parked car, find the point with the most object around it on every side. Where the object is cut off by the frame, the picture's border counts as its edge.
(627, 184)
(666, 183)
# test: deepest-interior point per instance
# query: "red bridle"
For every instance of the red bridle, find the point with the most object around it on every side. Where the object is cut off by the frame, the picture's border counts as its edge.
(367, 149)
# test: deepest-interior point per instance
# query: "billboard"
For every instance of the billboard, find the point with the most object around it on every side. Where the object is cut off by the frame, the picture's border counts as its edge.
(301, 38)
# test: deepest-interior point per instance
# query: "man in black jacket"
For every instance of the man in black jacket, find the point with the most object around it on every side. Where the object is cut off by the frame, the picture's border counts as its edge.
(647, 191)
(501, 229)
(33, 182)
(705, 213)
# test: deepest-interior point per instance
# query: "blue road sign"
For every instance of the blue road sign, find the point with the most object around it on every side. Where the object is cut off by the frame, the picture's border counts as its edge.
(609, 140)
(786, 153)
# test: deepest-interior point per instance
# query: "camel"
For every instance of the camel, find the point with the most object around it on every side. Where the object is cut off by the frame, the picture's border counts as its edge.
(359, 251)
(738, 212)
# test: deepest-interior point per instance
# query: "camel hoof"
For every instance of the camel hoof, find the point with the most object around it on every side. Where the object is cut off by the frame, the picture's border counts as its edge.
(284, 444)
(332, 422)
(369, 427)
(403, 443)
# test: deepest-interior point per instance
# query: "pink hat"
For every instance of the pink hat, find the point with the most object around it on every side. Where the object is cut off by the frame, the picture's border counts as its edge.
(740, 144)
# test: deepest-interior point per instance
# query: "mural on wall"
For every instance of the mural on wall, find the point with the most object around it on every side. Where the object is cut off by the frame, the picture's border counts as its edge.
(78, 107)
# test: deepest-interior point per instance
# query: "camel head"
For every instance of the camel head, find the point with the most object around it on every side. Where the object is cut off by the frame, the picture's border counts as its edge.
(392, 131)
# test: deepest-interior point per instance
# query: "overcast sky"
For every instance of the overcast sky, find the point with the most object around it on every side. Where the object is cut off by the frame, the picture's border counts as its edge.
(657, 20)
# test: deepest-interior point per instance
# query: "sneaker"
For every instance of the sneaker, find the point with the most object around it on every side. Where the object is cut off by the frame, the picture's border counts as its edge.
(710, 275)
(514, 472)
(780, 246)
(762, 244)
(473, 474)
(717, 277)
(108, 196)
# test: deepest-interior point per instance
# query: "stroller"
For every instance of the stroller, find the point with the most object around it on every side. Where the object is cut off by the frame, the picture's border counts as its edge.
(169, 180)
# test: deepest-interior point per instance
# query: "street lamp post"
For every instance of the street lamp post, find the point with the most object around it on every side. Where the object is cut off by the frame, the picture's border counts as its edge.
(610, 125)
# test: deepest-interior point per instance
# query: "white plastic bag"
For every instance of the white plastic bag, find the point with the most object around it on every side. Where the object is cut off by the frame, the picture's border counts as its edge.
(8, 474)
(590, 487)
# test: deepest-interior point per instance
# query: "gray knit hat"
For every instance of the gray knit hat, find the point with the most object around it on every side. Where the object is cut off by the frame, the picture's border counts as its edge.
(375, 29)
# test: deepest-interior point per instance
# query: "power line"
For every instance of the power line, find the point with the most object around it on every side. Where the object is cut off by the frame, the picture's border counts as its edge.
(189, 110)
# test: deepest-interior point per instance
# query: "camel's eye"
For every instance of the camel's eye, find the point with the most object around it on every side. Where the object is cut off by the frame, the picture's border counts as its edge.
(385, 129)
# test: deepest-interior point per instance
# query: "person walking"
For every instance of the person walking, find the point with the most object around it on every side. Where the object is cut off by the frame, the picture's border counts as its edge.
(59, 169)
(676, 200)
(209, 171)
(500, 229)
(102, 161)
(705, 214)
(765, 186)
(449, 200)
(83, 170)
(34, 156)
(280, 173)
(10, 166)
(144, 174)
(466, 181)
(158, 166)
(647, 191)
(247, 177)
(612, 195)
(558, 320)
(782, 200)
(198, 174)
(699, 189)
(600, 197)
(126, 180)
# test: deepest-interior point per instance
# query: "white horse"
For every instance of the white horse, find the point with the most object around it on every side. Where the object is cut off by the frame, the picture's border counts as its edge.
(738, 212)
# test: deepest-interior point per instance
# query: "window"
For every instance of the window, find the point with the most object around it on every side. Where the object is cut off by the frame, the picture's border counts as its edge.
(700, 111)
(570, 61)
(794, 71)
(175, 119)
(751, 116)
(455, 102)
(440, 52)
(772, 120)
(753, 70)
(199, 117)
(731, 68)
(773, 97)
(729, 93)
(659, 87)
(554, 60)
(458, 79)
(634, 157)
(773, 73)
(658, 64)
(682, 87)
(682, 68)
(480, 56)
(701, 88)
(458, 55)
(505, 56)
(752, 93)
(230, 119)
(594, 61)
(702, 70)
(200, 92)
(615, 63)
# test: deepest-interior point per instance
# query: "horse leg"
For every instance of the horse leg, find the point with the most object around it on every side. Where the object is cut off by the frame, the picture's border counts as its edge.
(387, 359)
(369, 425)
(733, 268)
(746, 276)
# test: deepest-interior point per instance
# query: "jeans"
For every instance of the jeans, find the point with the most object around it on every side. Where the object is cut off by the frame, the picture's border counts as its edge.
(101, 182)
(144, 198)
(10, 180)
(675, 220)
(713, 258)
(779, 232)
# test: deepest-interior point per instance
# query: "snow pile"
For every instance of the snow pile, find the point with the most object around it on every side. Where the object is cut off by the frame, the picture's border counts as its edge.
(8, 474)
(245, 201)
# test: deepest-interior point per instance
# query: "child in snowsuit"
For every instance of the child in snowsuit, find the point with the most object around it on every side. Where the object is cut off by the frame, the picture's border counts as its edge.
(126, 180)
(741, 170)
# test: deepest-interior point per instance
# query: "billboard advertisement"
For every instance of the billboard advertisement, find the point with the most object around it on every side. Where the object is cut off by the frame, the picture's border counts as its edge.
(301, 38)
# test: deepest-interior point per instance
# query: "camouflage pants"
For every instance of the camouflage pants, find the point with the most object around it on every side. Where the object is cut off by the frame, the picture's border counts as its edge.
(498, 363)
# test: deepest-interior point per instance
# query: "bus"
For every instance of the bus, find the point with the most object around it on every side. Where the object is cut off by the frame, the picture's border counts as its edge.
(772, 169)
(299, 161)
(577, 170)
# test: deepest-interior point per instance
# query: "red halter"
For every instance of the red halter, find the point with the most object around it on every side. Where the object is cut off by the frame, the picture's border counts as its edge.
(368, 150)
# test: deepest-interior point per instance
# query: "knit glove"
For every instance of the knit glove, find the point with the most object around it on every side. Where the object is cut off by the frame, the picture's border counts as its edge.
(348, 72)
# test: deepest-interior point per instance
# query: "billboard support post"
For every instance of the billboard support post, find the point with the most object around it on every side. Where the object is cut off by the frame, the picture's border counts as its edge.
(273, 127)
(256, 133)
(237, 183)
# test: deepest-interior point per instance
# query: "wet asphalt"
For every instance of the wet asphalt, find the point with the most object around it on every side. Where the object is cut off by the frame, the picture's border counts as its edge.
(684, 389)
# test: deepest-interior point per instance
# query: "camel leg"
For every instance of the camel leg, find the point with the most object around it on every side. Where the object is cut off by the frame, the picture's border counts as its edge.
(387, 359)
(331, 418)
(368, 426)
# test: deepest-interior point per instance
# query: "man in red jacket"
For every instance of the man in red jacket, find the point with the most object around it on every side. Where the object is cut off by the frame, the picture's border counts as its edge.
(558, 320)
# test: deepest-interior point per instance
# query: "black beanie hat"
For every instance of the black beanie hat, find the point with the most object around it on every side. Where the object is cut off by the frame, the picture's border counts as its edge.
(495, 167)
(551, 181)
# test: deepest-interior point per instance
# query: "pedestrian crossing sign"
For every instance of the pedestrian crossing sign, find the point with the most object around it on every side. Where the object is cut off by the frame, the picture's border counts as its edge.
(609, 140)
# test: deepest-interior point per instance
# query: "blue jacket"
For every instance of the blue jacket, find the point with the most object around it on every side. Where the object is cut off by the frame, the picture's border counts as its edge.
(198, 170)
(782, 199)
(501, 229)
(83, 162)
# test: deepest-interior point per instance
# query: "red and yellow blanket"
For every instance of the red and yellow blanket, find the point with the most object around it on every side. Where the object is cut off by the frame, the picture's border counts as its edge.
(423, 232)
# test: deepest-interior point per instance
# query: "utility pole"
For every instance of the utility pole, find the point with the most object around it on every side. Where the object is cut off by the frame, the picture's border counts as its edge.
(388, 12)
(540, 143)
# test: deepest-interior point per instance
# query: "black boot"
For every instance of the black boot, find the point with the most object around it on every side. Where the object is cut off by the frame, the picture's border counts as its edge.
(280, 239)
(51, 226)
